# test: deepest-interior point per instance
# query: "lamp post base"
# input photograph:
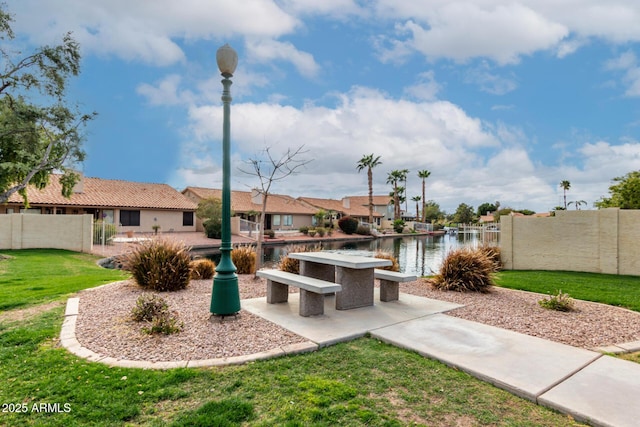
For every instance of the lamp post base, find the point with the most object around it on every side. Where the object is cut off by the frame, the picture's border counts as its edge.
(225, 296)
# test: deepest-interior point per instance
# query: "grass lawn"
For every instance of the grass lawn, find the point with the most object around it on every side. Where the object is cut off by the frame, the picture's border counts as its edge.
(623, 291)
(363, 382)
(33, 276)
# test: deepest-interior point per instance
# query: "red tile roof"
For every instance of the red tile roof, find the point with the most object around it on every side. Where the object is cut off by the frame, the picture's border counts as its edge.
(98, 192)
(241, 201)
(354, 209)
(364, 200)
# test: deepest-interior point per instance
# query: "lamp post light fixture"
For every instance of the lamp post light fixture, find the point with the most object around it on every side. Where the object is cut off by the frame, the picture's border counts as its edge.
(225, 296)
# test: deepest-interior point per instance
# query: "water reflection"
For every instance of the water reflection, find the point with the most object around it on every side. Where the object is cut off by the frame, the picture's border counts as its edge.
(420, 255)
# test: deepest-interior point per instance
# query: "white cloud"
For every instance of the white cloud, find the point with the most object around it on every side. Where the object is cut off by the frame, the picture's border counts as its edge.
(425, 89)
(266, 50)
(166, 92)
(490, 82)
(147, 30)
(627, 63)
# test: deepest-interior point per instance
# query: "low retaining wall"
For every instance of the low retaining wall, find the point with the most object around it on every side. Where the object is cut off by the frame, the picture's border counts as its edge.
(30, 231)
(599, 241)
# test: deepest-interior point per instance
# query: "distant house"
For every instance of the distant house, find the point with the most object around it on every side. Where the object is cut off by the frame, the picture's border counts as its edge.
(282, 212)
(344, 207)
(135, 206)
(381, 206)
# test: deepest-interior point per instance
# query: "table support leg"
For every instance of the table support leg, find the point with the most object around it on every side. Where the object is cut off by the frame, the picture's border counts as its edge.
(357, 288)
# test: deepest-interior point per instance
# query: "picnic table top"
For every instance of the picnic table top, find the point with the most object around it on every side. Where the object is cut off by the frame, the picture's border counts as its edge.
(341, 260)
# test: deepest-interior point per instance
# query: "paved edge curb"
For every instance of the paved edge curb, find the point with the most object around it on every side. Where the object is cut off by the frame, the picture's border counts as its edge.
(68, 340)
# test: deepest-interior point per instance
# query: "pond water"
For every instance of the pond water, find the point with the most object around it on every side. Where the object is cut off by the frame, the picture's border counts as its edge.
(420, 255)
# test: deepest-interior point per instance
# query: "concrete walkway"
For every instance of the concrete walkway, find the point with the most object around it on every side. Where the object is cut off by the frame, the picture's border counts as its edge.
(589, 386)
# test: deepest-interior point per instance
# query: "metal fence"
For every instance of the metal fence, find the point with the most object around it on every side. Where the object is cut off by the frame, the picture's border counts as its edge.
(249, 228)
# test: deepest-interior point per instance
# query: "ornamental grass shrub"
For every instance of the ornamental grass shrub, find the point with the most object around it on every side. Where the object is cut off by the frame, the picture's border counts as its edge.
(388, 255)
(202, 269)
(558, 302)
(154, 310)
(160, 265)
(244, 258)
(291, 265)
(465, 270)
(493, 253)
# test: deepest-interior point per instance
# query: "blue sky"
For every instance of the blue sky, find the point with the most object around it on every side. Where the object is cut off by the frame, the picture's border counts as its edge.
(499, 99)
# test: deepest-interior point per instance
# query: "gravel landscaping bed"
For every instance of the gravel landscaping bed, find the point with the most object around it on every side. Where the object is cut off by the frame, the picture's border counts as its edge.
(104, 325)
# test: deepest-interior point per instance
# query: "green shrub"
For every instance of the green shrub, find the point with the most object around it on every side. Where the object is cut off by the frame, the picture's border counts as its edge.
(464, 270)
(213, 228)
(348, 224)
(270, 234)
(558, 302)
(388, 255)
(109, 232)
(304, 229)
(202, 269)
(160, 265)
(398, 225)
(321, 231)
(154, 310)
(244, 258)
(312, 232)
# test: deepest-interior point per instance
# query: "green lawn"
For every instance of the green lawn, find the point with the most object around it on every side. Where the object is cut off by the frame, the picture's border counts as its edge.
(364, 382)
(34, 276)
(623, 291)
(360, 383)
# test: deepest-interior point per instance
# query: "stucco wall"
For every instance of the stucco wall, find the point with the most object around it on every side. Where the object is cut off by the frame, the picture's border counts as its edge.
(167, 220)
(602, 241)
(25, 231)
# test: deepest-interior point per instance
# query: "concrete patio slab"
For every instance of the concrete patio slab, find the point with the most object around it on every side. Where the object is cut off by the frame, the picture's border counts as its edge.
(524, 365)
(605, 393)
(344, 325)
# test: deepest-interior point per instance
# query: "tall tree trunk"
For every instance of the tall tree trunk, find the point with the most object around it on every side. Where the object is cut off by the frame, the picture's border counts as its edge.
(424, 203)
(370, 177)
(261, 234)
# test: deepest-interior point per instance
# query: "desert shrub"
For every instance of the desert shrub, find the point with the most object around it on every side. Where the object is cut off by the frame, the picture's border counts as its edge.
(244, 258)
(291, 265)
(321, 231)
(304, 229)
(160, 265)
(558, 302)
(398, 225)
(348, 224)
(270, 234)
(154, 310)
(213, 228)
(363, 230)
(312, 232)
(202, 269)
(493, 253)
(464, 270)
(388, 255)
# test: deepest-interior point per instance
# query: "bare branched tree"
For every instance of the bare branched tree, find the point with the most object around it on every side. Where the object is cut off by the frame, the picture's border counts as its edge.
(269, 169)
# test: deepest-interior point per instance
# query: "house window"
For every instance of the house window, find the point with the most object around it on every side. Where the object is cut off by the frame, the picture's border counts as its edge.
(187, 219)
(130, 218)
(287, 220)
(275, 220)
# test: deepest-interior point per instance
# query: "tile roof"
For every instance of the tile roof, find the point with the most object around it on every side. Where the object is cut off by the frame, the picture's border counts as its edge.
(364, 200)
(98, 192)
(338, 206)
(241, 201)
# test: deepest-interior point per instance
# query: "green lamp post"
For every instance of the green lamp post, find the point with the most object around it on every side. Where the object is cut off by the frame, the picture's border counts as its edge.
(225, 297)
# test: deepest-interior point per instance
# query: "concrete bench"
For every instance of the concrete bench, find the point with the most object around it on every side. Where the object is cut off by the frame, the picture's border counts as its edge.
(389, 283)
(312, 291)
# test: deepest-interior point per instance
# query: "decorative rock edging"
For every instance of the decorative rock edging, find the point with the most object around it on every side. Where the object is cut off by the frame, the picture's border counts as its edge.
(69, 341)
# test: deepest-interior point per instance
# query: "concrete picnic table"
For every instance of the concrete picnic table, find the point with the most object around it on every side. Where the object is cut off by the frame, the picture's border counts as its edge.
(354, 273)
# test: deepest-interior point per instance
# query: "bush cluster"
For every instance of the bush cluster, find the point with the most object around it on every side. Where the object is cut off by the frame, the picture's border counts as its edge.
(160, 265)
(363, 230)
(465, 270)
(304, 230)
(244, 258)
(348, 224)
(558, 302)
(213, 228)
(202, 269)
(154, 310)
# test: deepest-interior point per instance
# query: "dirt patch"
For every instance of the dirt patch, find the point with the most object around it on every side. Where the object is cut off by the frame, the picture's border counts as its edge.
(27, 313)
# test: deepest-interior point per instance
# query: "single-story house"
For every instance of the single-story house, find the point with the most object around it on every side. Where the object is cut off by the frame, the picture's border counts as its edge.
(282, 212)
(381, 206)
(134, 206)
(344, 207)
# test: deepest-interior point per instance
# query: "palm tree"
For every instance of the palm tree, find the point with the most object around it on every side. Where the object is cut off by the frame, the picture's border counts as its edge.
(416, 199)
(393, 178)
(405, 174)
(578, 203)
(565, 185)
(369, 162)
(424, 174)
